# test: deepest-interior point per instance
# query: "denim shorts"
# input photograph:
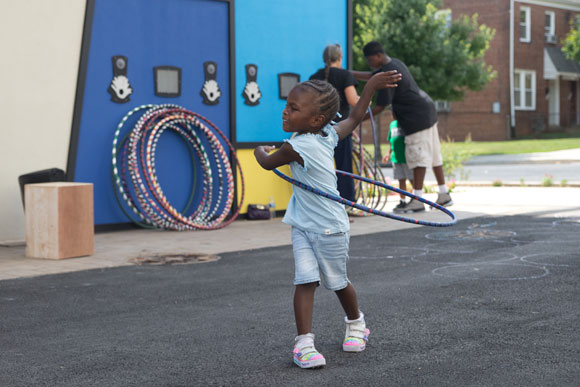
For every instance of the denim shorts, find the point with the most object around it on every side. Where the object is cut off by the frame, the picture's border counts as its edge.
(320, 258)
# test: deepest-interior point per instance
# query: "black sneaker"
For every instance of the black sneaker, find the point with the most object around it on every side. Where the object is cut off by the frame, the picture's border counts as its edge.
(400, 208)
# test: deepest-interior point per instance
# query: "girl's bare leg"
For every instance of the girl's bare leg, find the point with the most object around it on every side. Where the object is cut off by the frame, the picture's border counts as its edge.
(303, 307)
(349, 302)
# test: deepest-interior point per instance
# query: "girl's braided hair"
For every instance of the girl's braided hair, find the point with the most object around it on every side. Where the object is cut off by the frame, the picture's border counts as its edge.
(327, 100)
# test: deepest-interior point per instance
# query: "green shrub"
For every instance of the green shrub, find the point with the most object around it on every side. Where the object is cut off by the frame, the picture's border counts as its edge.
(547, 181)
(451, 185)
(429, 189)
(564, 183)
(454, 158)
(497, 183)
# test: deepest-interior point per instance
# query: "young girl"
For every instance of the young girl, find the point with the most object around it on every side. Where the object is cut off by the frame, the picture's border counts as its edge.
(320, 227)
(344, 83)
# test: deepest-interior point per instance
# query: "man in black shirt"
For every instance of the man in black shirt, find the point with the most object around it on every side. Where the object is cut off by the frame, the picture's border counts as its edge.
(417, 117)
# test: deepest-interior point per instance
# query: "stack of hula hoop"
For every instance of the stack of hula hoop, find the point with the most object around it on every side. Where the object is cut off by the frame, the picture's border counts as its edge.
(135, 180)
(365, 165)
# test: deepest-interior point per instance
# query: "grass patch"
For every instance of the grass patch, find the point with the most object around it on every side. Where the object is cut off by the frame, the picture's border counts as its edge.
(515, 146)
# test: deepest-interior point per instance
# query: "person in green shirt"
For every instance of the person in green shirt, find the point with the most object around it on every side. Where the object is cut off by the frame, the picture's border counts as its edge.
(401, 171)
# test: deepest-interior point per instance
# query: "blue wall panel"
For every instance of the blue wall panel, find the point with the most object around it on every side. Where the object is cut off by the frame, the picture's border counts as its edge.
(280, 36)
(182, 33)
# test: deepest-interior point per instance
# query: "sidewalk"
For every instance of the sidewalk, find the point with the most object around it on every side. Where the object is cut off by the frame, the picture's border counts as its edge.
(115, 249)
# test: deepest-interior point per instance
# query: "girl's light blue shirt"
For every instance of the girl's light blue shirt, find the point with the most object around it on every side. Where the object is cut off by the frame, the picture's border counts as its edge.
(306, 210)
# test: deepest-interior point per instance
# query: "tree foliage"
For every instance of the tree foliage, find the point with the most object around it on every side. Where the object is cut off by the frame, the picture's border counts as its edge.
(571, 43)
(445, 59)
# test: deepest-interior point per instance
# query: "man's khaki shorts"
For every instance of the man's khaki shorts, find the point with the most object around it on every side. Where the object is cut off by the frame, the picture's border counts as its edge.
(423, 149)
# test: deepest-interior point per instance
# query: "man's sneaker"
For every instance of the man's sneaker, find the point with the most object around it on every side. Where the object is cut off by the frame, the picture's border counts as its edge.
(356, 336)
(414, 206)
(305, 355)
(444, 199)
(399, 208)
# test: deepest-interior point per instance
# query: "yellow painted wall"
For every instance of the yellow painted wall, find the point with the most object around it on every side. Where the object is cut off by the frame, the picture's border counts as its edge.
(261, 184)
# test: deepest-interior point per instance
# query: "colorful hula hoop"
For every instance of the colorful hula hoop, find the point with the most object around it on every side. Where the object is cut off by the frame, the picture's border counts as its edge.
(371, 210)
(135, 176)
(366, 165)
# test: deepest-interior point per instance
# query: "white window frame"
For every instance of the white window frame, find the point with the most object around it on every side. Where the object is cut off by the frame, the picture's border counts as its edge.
(442, 106)
(551, 29)
(447, 14)
(522, 90)
(526, 24)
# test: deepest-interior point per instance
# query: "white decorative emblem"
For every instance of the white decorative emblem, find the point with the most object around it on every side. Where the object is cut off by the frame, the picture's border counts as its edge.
(120, 89)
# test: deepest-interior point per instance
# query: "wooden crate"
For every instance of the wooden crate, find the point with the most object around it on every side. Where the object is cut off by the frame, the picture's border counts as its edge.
(59, 220)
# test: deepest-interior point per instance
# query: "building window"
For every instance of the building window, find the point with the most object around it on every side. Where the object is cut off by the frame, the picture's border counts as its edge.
(550, 27)
(442, 106)
(525, 24)
(525, 90)
(445, 14)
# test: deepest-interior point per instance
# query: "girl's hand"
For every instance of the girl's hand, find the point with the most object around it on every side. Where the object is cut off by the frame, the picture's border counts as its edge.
(284, 155)
(377, 82)
(385, 79)
(264, 149)
(268, 148)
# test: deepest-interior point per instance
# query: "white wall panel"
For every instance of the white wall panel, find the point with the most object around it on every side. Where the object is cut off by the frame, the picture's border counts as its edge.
(40, 42)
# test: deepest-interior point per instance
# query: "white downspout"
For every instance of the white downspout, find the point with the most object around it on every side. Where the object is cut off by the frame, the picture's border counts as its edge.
(577, 102)
(512, 109)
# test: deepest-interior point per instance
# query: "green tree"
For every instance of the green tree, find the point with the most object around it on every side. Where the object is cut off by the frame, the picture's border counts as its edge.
(445, 58)
(571, 43)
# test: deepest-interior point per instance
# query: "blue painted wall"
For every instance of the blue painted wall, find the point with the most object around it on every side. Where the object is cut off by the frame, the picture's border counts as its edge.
(182, 33)
(277, 36)
(280, 36)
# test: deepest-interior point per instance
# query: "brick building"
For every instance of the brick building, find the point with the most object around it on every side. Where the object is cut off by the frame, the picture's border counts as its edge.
(526, 53)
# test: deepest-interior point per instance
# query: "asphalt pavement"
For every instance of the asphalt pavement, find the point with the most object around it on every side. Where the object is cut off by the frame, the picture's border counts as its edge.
(559, 168)
(490, 301)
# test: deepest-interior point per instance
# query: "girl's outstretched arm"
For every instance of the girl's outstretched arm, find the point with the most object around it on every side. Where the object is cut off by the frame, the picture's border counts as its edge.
(377, 82)
(362, 75)
(284, 155)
